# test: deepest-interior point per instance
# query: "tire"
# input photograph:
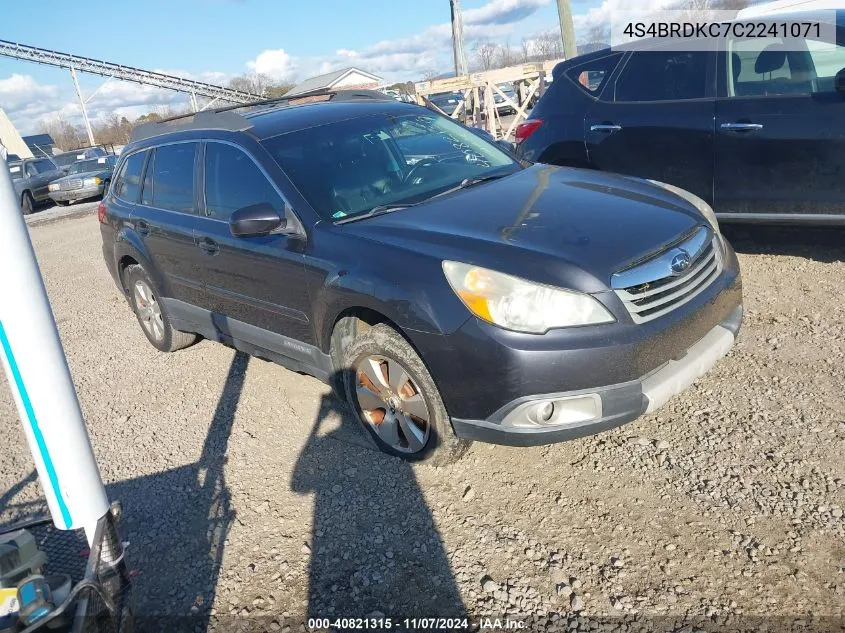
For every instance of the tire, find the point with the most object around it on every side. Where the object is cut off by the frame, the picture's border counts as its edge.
(27, 203)
(106, 185)
(382, 348)
(151, 313)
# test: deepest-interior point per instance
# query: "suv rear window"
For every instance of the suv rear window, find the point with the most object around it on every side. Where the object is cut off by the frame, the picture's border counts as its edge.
(173, 177)
(592, 76)
(663, 75)
(127, 185)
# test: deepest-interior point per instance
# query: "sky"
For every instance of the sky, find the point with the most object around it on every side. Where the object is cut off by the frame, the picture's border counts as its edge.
(214, 40)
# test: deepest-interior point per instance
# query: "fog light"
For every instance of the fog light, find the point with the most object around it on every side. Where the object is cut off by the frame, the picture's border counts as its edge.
(545, 411)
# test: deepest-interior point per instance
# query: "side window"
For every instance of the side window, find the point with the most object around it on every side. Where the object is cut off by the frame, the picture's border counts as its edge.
(30, 169)
(767, 67)
(234, 181)
(44, 166)
(660, 75)
(592, 76)
(173, 177)
(127, 185)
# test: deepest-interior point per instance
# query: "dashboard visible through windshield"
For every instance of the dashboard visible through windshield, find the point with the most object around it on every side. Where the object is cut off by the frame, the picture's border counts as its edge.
(349, 167)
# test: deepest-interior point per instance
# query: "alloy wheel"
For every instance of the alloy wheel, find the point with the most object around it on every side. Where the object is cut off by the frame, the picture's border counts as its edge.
(149, 310)
(393, 404)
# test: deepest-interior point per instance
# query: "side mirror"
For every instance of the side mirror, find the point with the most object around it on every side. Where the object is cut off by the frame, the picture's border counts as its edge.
(839, 81)
(254, 220)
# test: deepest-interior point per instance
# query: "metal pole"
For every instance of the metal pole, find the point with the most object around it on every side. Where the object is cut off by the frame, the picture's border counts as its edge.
(38, 375)
(458, 39)
(194, 104)
(82, 105)
(567, 29)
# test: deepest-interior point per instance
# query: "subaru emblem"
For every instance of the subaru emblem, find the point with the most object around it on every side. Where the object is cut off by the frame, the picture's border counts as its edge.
(680, 262)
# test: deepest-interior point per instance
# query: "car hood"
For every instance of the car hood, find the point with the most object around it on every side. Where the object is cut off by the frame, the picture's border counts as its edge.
(551, 224)
(86, 174)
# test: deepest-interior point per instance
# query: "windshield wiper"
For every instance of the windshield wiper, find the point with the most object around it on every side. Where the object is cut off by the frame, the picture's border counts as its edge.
(471, 182)
(378, 210)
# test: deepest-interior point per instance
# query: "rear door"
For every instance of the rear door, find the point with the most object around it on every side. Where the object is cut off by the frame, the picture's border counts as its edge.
(656, 120)
(780, 131)
(258, 281)
(166, 217)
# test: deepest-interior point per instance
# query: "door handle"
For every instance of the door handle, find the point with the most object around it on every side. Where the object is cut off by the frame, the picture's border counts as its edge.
(142, 227)
(208, 246)
(607, 128)
(741, 127)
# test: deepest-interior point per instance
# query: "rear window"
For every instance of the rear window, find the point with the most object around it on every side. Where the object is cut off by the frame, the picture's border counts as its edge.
(173, 177)
(592, 76)
(127, 185)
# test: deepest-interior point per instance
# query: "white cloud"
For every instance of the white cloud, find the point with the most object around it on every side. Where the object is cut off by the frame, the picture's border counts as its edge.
(274, 63)
(503, 11)
(601, 15)
(19, 91)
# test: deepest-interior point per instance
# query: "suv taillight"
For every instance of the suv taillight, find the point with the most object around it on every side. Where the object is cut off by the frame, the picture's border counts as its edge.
(526, 129)
(101, 212)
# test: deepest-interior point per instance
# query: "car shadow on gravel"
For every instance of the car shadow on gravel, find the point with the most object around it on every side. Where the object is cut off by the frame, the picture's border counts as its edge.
(177, 522)
(375, 549)
(824, 244)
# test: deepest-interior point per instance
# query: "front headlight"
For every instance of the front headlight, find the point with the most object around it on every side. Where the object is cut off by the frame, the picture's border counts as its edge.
(90, 182)
(53, 187)
(694, 200)
(517, 304)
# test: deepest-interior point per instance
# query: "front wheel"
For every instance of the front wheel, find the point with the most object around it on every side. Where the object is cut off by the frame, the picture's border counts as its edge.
(396, 399)
(27, 203)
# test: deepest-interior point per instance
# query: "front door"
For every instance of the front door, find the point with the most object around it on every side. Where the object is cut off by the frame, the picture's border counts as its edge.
(256, 281)
(657, 121)
(780, 131)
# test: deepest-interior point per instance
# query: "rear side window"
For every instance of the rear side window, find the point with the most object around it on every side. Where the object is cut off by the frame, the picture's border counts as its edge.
(593, 75)
(127, 185)
(173, 177)
(657, 75)
(234, 181)
(44, 166)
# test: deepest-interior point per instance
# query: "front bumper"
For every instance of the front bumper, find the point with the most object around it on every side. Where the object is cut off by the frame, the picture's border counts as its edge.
(77, 194)
(586, 412)
(484, 373)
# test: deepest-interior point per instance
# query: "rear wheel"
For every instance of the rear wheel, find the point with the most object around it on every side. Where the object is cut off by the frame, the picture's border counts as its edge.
(151, 313)
(27, 203)
(396, 399)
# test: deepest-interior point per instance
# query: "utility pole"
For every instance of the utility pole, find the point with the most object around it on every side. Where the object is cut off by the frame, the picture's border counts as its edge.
(82, 105)
(458, 39)
(567, 29)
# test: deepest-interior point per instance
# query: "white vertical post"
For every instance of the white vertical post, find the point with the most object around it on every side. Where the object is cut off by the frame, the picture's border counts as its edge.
(194, 104)
(82, 105)
(38, 375)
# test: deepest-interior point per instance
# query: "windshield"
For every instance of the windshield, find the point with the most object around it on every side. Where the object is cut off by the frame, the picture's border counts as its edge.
(63, 160)
(347, 168)
(84, 166)
(16, 171)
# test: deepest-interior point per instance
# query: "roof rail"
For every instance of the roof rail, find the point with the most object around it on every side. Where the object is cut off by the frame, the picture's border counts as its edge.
(225, 119)
(211, 120)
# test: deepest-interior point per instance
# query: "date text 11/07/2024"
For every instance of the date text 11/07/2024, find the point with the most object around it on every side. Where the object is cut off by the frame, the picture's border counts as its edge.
(415, 624)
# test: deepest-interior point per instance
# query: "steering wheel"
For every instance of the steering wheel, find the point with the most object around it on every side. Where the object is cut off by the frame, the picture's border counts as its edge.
(423, 162)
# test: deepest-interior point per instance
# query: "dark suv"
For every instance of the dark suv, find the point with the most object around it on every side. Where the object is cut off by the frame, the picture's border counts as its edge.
(451, 294)
(756, 129)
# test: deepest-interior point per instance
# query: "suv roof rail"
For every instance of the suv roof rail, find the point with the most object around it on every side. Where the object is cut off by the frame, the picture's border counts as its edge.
(225, 119)
(211, 120)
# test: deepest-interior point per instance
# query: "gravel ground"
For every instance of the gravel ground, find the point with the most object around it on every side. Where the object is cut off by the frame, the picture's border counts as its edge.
(249, 491)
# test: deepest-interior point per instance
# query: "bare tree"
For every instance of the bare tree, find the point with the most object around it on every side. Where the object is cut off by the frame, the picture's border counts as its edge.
(115, 129)
(526, 50)
(486, 53)
(507, 55)
(548, 46)
(599, 33)
(63, 133)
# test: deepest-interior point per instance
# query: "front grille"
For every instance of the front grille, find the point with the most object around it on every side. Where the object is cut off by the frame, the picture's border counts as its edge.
(70, 185)
(653, 288)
